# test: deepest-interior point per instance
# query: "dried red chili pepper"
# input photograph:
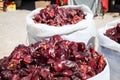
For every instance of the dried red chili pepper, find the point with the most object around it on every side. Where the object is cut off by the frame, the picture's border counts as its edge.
(50, 60)
(114, 33)
(55, 16)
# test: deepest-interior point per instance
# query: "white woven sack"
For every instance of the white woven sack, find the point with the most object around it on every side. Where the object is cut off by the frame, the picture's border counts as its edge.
(104, 40)
(82, 31)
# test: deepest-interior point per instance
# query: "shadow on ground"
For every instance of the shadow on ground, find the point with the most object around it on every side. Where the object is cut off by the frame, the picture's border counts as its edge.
(28, 5)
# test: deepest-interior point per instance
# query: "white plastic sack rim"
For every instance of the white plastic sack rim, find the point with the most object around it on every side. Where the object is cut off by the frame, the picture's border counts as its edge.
(106, 41)
(104, 75)
(47, 31)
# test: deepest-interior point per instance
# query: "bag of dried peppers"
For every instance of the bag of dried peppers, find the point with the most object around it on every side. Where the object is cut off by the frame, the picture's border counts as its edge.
(72, 22)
